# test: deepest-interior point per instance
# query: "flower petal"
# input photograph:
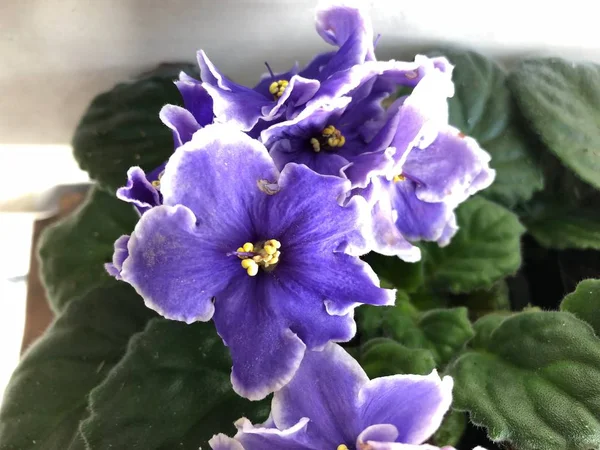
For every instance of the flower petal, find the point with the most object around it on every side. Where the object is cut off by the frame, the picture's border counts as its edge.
(223, 442)
(314, 67)
(414, 404)
(306, 217)
(298, 92)
(337, 21)
(305, 306)
(422, 114)
(180, 121)
(325, 390)
(373, 445)
(379, 433)
(265, 352)
(312, 119)
(219, 176)
(257, 438)
(416, 219)
(386, 238)
(120, 254)
(139, 190)
(285, 151)
(195, 99)
(172, 264)
(448, 168)
(232, 103)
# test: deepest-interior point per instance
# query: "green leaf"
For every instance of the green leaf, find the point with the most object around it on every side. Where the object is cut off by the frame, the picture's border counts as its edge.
(562, 221)
(402, 275)
(565, 215)
(73, 251)
(47, 394)
(484, 328)
(534, 382)
(483, 108)
(441, 331)
(171, 390)
(381, 357)
(485, 301)
(560, 225)
(585, 303)
(561, 101)
(485, 249)
(121, 127)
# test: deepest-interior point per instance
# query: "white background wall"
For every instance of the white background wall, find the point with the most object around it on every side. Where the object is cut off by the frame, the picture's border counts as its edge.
(57, 54)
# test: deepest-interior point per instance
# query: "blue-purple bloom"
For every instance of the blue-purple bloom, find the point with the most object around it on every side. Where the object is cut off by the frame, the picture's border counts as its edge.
(331, 404)
(282, 95)
(271, 257)
(143, 190)
(436, 167)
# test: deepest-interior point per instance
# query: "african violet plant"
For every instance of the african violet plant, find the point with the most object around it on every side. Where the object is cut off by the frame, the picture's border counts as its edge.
(329, 260)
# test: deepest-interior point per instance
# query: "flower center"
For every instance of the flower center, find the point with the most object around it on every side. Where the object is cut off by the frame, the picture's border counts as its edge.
(342, 447)
(156, 183)
(263, 254)
(330, 139)
(278, 87)
(398, 178)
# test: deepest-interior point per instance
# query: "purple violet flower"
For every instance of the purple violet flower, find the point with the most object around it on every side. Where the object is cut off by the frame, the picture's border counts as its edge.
(343, 24)
(270, 257)
(331, 404)
(332, 132)
(436, 168)
(142, 190)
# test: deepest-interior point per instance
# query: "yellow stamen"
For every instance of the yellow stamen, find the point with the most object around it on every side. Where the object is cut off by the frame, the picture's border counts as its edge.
(250, 266)
(156, 183)
(398, 178)
(342, 447)
(278, 87)
(265, 255)
(274, 243)
(316, 145)
(330, 138)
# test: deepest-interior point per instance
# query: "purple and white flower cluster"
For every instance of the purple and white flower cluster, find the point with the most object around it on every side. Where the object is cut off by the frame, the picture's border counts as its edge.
(258, 219)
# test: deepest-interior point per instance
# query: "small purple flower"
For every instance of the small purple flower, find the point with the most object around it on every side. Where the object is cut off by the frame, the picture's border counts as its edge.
(332, 132)
(432, 182)
(435, 169)
(331, 404)
(120, 254)
(196, 113)
(142, 190)
(339, 23)
(269, 257)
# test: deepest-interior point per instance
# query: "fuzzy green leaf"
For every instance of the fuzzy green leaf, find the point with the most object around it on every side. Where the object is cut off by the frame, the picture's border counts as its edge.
(73, 251)
(485, 249)
(121, 127)
(441, 331)
(381, 357)
(47, 394)
(171, 390)
(585, 303)
(561, 101)
(534, 381)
